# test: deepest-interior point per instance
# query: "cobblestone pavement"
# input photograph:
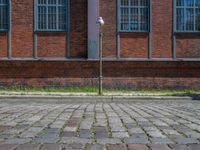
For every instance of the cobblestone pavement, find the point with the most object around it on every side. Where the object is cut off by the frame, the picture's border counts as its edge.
(145, 125)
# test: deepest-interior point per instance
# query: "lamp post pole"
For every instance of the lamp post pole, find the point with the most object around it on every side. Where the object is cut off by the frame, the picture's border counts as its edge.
(100, 22)
(100, 62)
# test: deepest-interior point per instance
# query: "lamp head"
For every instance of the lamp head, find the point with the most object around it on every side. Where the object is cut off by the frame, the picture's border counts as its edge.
(100, 21)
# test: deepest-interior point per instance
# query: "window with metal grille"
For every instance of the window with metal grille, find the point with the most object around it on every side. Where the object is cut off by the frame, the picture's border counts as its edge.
(187, 15)
(134, 16)
(4, 15)
(51, 15)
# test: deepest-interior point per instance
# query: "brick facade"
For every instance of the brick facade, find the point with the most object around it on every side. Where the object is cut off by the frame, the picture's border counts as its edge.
(118, 72)
(3, 44)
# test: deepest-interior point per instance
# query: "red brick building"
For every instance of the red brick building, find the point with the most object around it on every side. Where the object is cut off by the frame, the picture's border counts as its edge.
(147, 43)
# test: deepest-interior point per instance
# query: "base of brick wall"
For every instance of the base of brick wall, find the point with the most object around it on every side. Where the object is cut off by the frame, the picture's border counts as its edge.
(117, 74)
(111, 83)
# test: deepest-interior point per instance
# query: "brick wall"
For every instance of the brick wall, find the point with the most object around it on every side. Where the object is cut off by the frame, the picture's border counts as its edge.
(3, 44)
(134, 45)
(108, 12)
(78, 28)
(188, 45)
(48, 44)
(22, 28)
(116, 74)
(162, 26)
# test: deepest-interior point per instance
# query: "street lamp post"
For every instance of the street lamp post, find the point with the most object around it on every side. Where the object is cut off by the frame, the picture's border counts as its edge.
(100, 22)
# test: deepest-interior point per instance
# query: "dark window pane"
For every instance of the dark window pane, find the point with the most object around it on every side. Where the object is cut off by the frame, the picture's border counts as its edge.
(4, 14)
(124, 2)
(41, 1)
(198, 19)
(124, 19)
(143, 2)
(190, 19)
(143, 19)
(52, 15)
(52, 2)
(134, 18)
(62, 17)
(134, 2)
(197, 3)
(180, 2)
(180, 18)
(187, 16)
(134, 15)
(41, 17)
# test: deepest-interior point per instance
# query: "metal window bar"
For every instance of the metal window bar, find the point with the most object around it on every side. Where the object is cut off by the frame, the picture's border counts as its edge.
(134, 16)
(187, 15)
(4, 15)
(51, 15)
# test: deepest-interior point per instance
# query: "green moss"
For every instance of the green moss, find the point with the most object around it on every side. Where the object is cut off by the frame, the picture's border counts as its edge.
(135, 92)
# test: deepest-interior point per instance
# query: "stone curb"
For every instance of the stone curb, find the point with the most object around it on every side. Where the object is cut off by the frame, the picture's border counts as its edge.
(90, 99)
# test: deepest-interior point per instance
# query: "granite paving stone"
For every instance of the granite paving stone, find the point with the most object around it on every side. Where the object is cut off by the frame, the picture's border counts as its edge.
(109, 141)
(120, 134)
(186, 141)
(133, 140)
(17, 141)
(137, 147)
(84, 134)
(101, 132)
(51, 147)
(28, 147)
(179, 147)
(75, 145)
(7, 146)
(116, 147)
(68, 134)
(159, 147)
(95, 147)
(81, 126)
(194, 146)
(161, 141)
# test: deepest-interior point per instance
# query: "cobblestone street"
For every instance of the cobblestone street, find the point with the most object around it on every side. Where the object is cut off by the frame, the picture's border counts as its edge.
(139, 125)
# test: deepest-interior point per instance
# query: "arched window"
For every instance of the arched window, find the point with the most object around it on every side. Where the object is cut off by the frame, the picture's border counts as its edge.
(134, 15)
(187, 15)
(4, 15)
(50, 15)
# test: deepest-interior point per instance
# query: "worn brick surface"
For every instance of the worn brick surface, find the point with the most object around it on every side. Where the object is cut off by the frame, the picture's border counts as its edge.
(133, 45)
(22, 28)
(49, 44)
(131, 74)
(188, 46)
(162, 17)
(3, 44)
